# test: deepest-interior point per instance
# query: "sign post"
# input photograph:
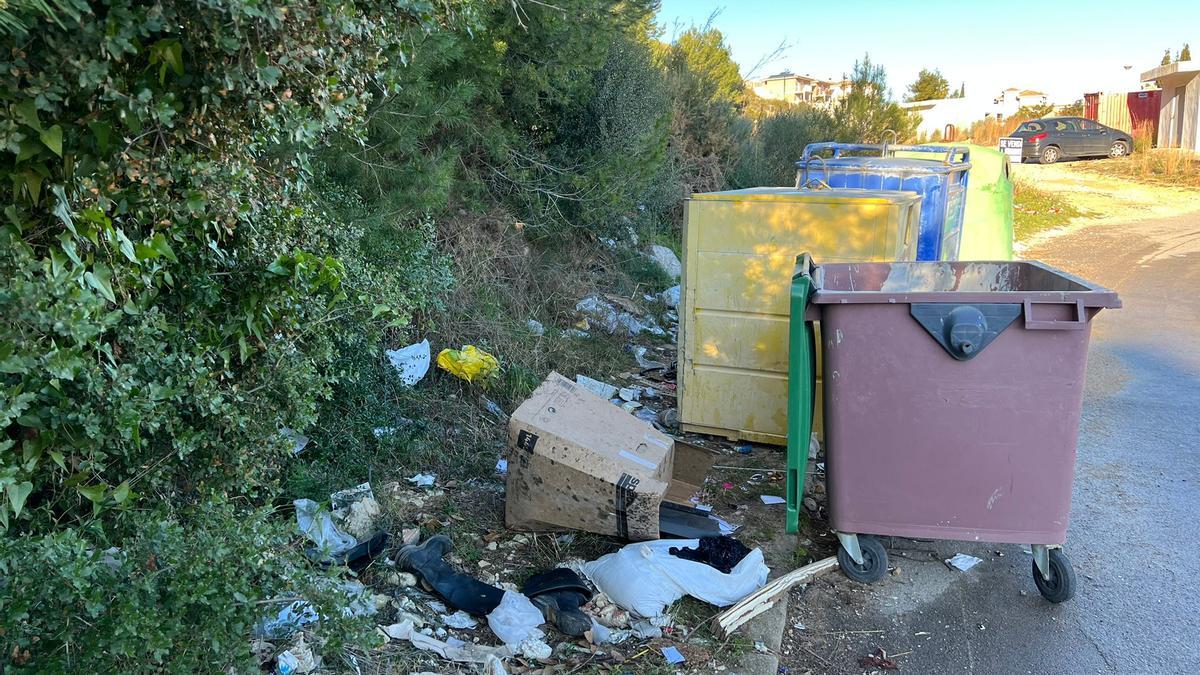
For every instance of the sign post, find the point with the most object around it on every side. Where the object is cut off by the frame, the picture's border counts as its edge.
(1011, 147)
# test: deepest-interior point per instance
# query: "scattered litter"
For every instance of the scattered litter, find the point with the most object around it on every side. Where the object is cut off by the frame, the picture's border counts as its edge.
(502, 467)
(761, 647)
(810, 503)
(720, 553)
(535, 327)
(772, 499)
(459, 619)
(318, 526)
(645, 630)
(639, 355)
(669, 417)
(670, 297)
(405, 580)
(672, 655)
(299, 613)
(466, 653)
(644, 578)
(744, 449)
(630, 406)
(515, 620)
(423, 479)
(646, 415)
(494, 408)
(666, 260)
(409, 535)
(438, 606)
(726, 485)
(599, 310)
(878, 659)
(963, 562)
(298, 658)
(469, 363)
(630, 393)
(799, 626)
(535, 649)
(575, 333)
(411, 362)
(602, 389)
(299, 441)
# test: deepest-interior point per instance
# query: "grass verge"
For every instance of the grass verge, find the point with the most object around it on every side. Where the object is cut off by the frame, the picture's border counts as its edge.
(1036, 210)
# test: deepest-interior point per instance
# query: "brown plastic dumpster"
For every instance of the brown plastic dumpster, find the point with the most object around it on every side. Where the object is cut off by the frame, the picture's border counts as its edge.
(952, 405)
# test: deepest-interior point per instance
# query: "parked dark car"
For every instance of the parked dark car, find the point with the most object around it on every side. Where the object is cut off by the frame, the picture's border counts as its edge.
(1049, 139)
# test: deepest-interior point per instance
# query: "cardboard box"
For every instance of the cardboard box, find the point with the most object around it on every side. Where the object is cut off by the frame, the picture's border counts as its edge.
(576, 461)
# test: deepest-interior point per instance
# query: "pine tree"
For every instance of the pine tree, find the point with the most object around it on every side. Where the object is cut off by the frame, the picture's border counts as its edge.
(1166, 59)
(1186, 54)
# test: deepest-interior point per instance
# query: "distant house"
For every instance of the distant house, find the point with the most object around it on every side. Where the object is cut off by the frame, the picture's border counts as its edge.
(788, 86)
(1179, 104)
(1013, 99)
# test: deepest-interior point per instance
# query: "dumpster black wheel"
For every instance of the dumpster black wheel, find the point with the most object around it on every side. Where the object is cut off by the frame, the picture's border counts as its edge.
(875, 560)
(1060, 587)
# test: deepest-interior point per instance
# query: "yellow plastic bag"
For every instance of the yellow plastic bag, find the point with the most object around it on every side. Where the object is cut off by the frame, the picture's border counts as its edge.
(470, 363)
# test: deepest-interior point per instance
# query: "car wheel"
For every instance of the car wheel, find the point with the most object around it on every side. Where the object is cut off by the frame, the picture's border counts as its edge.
(1118, 149)
(1050, 154)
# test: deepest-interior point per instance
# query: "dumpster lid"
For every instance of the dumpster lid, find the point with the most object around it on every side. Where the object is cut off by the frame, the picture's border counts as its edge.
(884, 164)
(791, 194)
(962, 281)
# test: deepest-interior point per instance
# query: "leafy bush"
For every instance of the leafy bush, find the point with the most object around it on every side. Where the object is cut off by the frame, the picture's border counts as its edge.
(182, 594)
(778, 142)
(176, 291)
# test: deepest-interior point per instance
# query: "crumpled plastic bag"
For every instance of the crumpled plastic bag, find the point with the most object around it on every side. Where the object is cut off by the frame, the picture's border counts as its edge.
(470, 363)
(515, 619)
(318, 526)
(411, 362)
(644, 578)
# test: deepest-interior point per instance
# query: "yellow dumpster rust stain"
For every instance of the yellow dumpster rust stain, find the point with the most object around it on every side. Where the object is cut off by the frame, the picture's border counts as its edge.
(740, 247)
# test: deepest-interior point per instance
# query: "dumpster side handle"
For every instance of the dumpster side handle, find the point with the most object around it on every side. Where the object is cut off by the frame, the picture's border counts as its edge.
(1080, 320)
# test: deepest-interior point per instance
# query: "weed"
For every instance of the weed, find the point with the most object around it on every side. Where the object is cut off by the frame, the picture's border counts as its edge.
(1035, 209)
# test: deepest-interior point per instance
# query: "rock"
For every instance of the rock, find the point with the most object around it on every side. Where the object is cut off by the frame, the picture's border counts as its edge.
(810, 503)
(410, 535)
(670, 297)
(406, 580)
(535, 327)
(666, 260)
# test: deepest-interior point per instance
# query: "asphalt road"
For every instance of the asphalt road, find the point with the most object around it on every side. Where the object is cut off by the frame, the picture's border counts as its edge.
(1134, 518)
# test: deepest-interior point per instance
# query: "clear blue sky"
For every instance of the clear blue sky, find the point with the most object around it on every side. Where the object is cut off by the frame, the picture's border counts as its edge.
(1064, 47)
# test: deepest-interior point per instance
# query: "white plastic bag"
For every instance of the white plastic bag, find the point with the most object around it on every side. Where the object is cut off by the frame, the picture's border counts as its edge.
(411, 362)
(319, 527)
(644, 578)
(515, 619)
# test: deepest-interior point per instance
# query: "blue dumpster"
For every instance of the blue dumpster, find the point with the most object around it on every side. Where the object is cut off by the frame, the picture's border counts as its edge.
(941, 181)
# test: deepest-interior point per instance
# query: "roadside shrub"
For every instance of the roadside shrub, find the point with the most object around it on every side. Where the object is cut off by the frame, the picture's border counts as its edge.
(176, 291)
(182, 593)
(778, 143)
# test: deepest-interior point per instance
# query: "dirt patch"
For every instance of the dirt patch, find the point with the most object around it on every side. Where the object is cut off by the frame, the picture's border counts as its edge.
(1103, 199)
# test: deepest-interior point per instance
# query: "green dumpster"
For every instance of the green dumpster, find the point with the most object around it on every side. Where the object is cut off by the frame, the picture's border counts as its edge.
(987, 231)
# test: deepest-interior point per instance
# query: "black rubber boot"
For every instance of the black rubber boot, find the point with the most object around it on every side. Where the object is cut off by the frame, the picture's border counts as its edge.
(460, 591)
(560, 593)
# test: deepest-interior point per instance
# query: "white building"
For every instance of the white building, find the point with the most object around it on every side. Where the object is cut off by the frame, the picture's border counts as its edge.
(788, 86)
(1012, 99)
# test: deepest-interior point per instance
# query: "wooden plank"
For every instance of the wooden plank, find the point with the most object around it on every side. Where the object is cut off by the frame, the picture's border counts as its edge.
(764, 598)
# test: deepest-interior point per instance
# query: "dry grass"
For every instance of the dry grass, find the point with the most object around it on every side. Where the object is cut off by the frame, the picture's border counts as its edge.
(1165, 166)
(989, 131)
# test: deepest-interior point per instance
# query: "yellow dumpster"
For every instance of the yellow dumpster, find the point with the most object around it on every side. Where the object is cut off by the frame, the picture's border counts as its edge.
(740, 248)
